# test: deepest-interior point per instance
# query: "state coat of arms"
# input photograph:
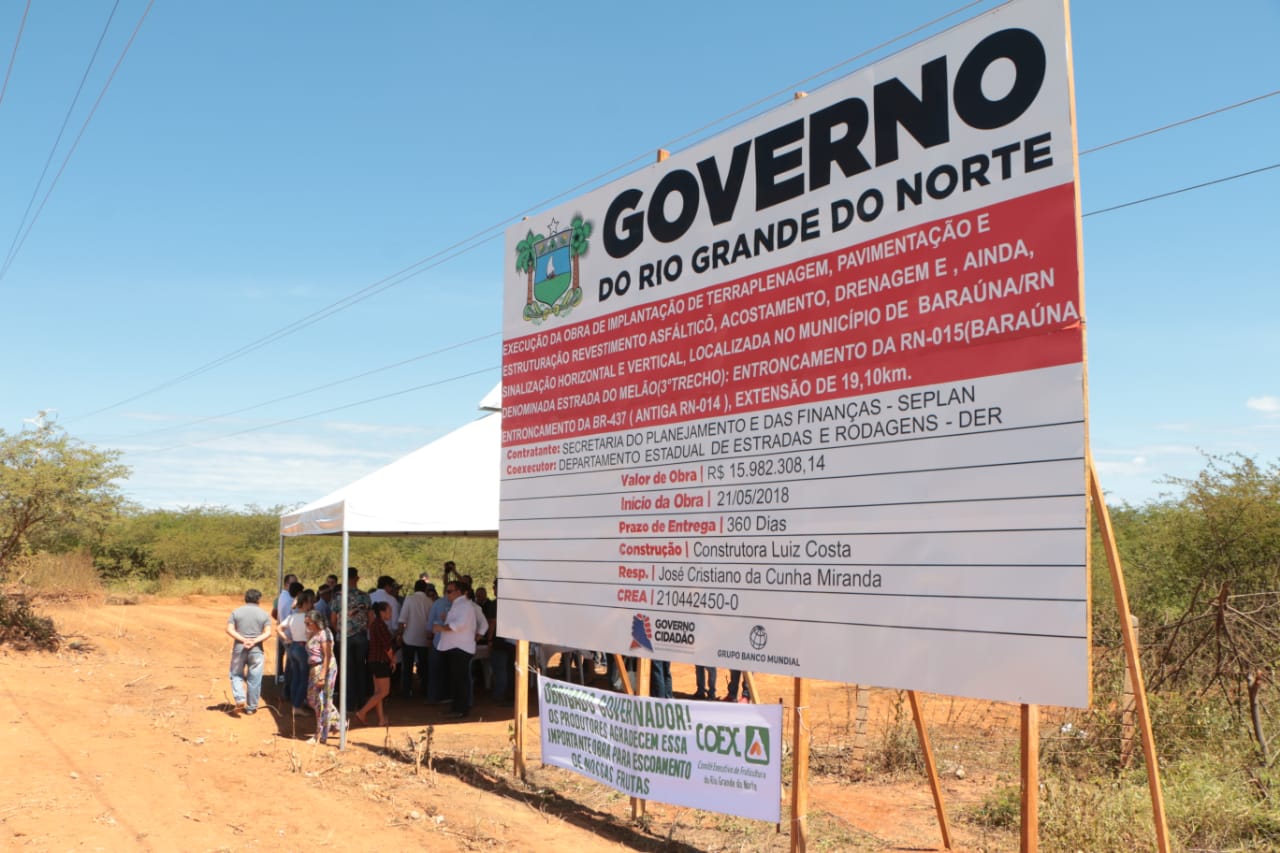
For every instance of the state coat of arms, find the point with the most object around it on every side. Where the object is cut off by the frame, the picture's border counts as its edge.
(550, 264)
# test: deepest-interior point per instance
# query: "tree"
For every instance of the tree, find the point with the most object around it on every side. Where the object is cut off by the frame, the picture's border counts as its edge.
(56, 493)
(1206, 571)
(577, 247)
(526, 261)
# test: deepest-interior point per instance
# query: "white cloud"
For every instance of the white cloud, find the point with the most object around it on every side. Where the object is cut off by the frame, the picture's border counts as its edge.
(1268, 405)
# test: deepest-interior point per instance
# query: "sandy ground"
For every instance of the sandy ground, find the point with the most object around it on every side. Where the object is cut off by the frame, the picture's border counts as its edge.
(125, 744)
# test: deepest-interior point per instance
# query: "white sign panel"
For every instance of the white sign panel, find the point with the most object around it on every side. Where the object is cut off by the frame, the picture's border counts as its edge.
(719, 756)
(808, 398)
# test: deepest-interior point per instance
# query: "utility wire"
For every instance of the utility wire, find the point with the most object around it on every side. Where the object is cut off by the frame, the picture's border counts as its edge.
(480, 236)
(1183, 190)
(14, 55)
(323, 411)
(74, 145)
(792, 87)
(1219, 110)
(312, 389)
(311, 319)
(56, 142)
(1133, 203)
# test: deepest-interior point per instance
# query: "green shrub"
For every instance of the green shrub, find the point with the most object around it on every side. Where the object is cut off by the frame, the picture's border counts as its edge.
(22, 628)
(899, 747)
(1002, 809)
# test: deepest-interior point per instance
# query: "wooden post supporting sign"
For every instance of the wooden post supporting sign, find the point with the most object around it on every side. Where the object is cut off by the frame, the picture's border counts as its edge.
(1131, 655)
(522, 706)
(930, 768)
(799, 767)
(1030, 838)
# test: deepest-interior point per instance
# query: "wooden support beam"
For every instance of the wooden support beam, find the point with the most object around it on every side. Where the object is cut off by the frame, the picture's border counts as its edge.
(621, 664)
(1030, 767)
(643, 671)
(1131, 657)
(522, 707)
(799, 767)
(927, 751)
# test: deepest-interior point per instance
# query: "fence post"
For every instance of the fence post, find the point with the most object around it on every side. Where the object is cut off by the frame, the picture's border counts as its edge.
(863, 700)
(1128, 707)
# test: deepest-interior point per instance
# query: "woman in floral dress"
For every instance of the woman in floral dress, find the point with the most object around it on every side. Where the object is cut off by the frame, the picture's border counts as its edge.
(323, 676)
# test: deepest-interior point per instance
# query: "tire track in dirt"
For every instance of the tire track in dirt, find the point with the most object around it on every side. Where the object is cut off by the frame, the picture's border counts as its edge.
(46, 750)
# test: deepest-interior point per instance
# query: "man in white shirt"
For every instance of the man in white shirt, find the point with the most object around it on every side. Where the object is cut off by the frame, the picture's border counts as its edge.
(284, 607)
(415, 636)
(458, 643)
(386, 591)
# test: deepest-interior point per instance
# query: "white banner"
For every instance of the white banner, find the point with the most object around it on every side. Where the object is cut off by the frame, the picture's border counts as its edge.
(720, 756)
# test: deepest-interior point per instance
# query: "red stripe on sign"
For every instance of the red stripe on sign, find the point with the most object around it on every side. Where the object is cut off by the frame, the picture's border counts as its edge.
(994, 291)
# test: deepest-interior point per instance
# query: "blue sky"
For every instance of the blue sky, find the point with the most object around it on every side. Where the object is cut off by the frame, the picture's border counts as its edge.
(252, 164)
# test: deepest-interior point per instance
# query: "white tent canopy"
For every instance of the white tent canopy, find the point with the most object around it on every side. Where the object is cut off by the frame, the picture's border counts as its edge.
(449, 487)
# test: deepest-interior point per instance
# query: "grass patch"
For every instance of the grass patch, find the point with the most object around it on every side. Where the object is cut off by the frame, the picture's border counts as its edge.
(171, 587)
(52, 575)
(1002, 809)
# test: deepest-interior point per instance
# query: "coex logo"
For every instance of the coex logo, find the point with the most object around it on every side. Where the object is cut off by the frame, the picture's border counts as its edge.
(550, 264)
(641, 632)
(757, 745)
(725, 740)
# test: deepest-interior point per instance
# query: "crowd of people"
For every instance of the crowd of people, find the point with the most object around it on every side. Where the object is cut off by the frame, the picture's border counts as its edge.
(423, 643)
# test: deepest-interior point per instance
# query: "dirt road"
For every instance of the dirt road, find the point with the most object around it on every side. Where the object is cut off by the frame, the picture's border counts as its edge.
(125, 743)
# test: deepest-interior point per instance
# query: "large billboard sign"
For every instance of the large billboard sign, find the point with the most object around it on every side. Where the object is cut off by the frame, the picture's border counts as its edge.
(808, 398)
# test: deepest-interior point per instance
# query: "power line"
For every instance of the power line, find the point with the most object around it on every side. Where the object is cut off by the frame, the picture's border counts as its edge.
(479, 238)
(56, 142)
(14, 55)
(1182, 122)
(314, 388)
(309, 320)
(408, 272)
(328, 411)
(1183, 190)
(486, 369)
(792, 87)
(74, 145)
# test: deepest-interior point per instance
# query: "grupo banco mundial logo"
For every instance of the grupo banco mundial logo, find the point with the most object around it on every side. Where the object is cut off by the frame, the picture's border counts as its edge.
(661, 633)
(550, 263)
(759, 637)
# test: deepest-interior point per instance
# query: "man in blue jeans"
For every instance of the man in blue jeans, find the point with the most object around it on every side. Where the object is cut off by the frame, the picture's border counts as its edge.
(250, 626)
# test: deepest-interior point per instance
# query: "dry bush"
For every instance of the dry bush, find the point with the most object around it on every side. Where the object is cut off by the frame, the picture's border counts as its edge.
(57, 574)
(23, 628)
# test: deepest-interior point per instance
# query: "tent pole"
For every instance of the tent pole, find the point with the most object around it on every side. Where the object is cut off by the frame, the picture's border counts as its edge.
(279, 589)
(346, 603)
